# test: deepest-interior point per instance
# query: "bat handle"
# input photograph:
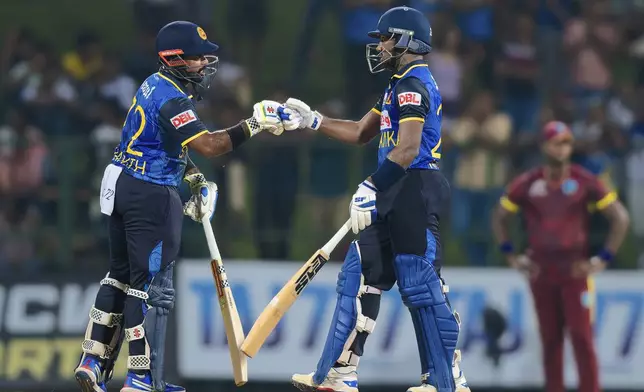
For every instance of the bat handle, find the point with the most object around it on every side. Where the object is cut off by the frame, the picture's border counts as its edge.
(210, 239)
(337, 237)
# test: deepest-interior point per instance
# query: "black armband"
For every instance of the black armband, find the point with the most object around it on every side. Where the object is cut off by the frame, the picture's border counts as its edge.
(238, 134)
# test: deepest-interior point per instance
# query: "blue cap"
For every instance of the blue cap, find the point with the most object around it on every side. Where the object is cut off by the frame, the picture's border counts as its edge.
(186, 37)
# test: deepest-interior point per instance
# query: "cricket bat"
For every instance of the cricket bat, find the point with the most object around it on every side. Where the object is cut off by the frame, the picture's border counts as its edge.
(279, 305)
(232, 322)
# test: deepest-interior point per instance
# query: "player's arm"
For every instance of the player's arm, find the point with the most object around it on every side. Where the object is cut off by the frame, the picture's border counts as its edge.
(509, 205)
(608, 204)
(348, 131)
(352, 132)
(178, 117)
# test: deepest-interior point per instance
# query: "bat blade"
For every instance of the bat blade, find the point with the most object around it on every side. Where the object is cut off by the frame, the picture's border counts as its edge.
(281, 302)
(232, 322)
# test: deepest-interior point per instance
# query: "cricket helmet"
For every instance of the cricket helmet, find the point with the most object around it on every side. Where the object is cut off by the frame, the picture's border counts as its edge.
(411, 30)
(180, 40)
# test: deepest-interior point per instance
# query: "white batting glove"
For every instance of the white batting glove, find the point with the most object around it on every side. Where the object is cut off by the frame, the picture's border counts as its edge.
(291, 119)
(310, 118)
(363, 207)
(203, 200)
(266, 117)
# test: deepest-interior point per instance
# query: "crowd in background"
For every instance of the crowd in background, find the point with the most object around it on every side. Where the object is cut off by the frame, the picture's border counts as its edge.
(504, 68)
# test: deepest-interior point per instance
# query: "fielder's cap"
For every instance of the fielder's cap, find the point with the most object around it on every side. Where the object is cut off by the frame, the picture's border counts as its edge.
(556, 130)
(184, 38)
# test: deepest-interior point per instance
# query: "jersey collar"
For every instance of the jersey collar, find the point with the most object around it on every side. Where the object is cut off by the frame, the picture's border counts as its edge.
(414, 64)
(175, 82)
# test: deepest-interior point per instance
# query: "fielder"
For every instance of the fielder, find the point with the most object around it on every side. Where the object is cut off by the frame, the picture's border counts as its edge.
(139, 194)
(555, 199)
(397, 212)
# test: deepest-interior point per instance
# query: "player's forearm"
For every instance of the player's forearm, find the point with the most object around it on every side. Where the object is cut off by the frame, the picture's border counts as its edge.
(404, 155)
(213, 144)
(619, 222)
(346, 131)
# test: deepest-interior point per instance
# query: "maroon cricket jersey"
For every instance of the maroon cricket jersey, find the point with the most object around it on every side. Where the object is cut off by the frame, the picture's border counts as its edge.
(557, 213)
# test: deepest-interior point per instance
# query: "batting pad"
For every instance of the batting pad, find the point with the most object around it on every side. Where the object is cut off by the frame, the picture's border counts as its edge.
(160, 301)
(348, 319)
(435, 326)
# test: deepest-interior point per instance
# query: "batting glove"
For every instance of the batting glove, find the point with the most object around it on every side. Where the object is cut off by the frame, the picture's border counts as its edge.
(363, 207)
(203, 200)
(266, 117)
(310, 118)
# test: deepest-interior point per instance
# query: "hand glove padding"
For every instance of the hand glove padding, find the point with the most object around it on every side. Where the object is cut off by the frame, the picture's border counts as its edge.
(310, 118)
(363, 207)
(266, 117)
(203, 201)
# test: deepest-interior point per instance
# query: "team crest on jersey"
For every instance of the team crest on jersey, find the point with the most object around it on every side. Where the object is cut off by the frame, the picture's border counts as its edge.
(183, 118)
(538, 188)
(385, 120)
(569, 187)
(409, 99)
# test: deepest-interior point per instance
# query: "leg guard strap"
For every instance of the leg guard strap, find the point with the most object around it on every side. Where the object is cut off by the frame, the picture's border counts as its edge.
(363, 324)
(107, 319)
(138, 362)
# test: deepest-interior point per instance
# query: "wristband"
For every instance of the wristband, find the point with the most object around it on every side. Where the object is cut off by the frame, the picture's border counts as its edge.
(506, 248)
(606, 255)
(387, 174)
(238, 134)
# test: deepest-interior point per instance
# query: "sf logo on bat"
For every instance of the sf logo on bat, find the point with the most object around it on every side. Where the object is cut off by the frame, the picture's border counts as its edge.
(306, 277)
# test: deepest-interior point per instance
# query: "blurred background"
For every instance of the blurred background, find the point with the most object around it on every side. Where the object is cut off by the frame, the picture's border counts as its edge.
(69, 69)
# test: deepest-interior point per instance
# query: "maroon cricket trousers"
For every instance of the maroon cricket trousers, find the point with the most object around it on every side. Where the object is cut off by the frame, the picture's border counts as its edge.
(564, 306)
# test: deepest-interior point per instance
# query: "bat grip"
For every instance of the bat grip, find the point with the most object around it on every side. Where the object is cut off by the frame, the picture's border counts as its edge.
(337, 237)
(210, 239)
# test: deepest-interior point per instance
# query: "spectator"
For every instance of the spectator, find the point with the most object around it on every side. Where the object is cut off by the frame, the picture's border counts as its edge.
(86, 59)
(590, 40)
(358, 18)
(481, 135)
(517, 70)
(113, 83)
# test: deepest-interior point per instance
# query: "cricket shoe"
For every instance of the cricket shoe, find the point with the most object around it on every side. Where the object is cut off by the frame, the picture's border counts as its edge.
(340, 379)
(135, 382)
(89, 374)
(459, 376)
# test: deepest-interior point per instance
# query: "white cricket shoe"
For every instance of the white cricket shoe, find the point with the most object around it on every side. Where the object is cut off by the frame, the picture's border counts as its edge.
(459, 376)
(340, 379)
(422, 388)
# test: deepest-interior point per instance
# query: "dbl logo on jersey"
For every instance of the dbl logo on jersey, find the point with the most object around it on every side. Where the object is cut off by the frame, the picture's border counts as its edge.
(183, 118)
(408, 99)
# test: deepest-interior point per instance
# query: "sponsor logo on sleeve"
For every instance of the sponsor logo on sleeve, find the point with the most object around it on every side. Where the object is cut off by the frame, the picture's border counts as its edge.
(409, 99)
(183, 118)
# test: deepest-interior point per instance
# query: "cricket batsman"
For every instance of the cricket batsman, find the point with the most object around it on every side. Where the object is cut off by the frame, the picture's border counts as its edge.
(139, 194)
(397, 211)
(555, 200)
